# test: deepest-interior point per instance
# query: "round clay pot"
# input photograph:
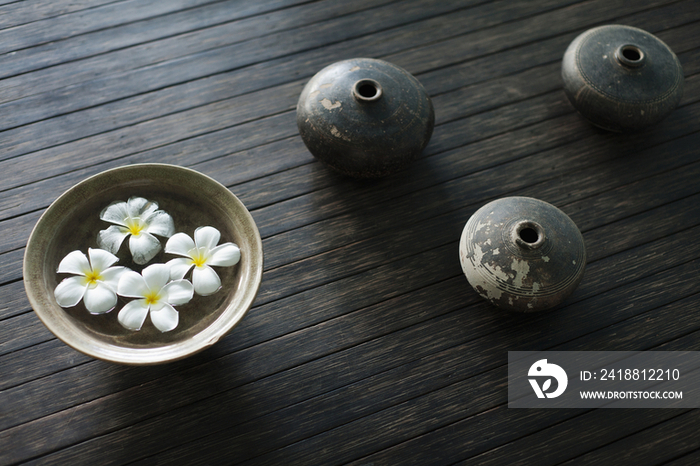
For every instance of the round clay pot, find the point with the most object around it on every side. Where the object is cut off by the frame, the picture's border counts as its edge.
(522, 254)
(365, 118)
(622, 78)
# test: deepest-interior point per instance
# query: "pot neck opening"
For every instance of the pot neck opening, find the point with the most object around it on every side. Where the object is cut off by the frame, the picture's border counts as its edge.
(367, 90)
(528, 235)
(630, 56)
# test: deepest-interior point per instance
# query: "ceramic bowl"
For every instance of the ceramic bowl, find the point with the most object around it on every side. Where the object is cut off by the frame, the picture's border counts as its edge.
(192, 199)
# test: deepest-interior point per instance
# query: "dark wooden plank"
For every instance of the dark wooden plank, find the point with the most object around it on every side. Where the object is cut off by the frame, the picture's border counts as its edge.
(235, 445)
(549, 50)
(401, 387)
(418, 415)
(38, 361)
(356, 257)
(20, 200)
(592, 289)
(13, 300)
(563, 441)
(501, 424)
(360, 256)
(366, 344)
(657, 222)
(242, 140)
(156, 72)
(309, 178)
(601, 426)
(22, 196)
(11, 269)
(164, 73)
(652, 446)
(573, 17)
(424, 206)
(22, 331)
(20, 228)
(94, 19)
(93, 55)
(553, 445)
(156, 41)
(18, 13)
(568, 440)
(686, 460)
(363, 255)
(263, 324)
(238, 54)
(303, 209)
(320, 307)
(146, 79)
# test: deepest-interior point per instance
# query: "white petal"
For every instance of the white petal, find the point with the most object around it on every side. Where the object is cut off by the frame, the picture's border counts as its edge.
(70, 291)
(179, 244)
(100, 299)
(143, 247)
(205, 281)
(132, 285)
(75, 262)
(161, 224)
(225, 255)
(156, 276)
(116, 212)
(207, 237)
(111, 238)
(157, 305)
(111, 276)
(101, 260)
(140, 207)
(165, 319)
(179, 267)
(133, 314)
(178, 292)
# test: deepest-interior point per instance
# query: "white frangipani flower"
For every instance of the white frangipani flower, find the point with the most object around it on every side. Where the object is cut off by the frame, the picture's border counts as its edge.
(139, 218)
(202, 253)
(157, 294)
(96, 281)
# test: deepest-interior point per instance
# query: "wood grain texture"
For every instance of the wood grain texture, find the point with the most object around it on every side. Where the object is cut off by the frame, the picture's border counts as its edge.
(18, 13)
(623, 263)
(365, 345)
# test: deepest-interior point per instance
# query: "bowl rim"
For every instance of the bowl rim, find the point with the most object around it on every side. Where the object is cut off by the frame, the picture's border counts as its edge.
(65, 329)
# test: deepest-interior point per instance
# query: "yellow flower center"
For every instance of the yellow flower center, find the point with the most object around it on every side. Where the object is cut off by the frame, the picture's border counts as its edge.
(152, 298)
(135, 225)
(199, 256)
(92, 277)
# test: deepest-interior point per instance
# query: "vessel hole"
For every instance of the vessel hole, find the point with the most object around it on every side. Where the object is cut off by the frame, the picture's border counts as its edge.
(529, 235)
(367, 90)
(631, 53)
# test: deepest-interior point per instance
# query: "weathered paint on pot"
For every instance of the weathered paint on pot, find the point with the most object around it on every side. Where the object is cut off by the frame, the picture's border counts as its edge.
(365, 118)
(522, 254)
(622, 78)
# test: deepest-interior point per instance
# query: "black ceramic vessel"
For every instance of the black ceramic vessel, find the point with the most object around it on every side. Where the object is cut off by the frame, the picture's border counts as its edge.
(622, 78)
(522, 254)
(365, 118)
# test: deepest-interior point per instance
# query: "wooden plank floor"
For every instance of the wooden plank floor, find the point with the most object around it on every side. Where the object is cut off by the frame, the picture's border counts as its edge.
(366, 344)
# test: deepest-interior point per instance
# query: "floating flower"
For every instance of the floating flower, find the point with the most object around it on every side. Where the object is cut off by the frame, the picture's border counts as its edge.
(157, 294)
(202, 253)
(139, 218)
(96, 281)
